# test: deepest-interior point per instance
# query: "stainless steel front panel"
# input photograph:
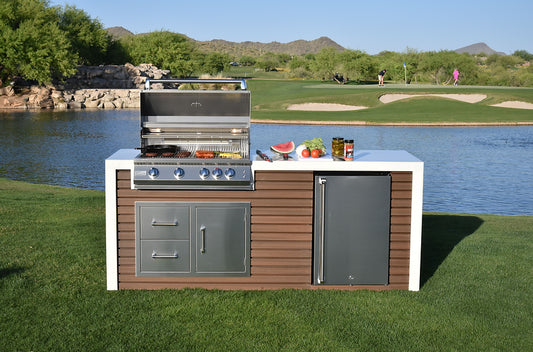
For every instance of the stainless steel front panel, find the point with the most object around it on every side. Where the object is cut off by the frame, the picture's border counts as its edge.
(352, 226)
(216, 243)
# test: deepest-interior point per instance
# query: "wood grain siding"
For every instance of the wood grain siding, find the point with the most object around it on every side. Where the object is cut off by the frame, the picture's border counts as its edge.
(281, 233)
(400, 229)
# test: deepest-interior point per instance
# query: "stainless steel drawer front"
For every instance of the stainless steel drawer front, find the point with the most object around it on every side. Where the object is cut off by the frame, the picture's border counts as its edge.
(164, 257)
(192, 238)
(161, 222)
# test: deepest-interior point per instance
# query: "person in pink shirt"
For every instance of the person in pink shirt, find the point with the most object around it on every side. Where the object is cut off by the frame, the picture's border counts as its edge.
(455, 77)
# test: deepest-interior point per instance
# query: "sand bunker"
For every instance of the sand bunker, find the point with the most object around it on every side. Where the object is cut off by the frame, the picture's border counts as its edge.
(324, 107)
(467, 98)
(515, 105)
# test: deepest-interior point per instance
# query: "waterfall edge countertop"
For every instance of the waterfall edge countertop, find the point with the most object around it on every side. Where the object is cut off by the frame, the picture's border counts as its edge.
(364, 160)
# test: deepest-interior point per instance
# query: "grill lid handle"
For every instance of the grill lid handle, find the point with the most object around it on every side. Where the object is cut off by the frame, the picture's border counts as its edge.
(242, 82)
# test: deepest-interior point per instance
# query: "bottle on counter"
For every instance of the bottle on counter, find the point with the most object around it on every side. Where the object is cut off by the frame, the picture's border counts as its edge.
(348, 149)
(337, 147)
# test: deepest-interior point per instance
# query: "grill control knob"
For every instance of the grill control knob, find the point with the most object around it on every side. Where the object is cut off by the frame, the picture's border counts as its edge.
(230, 173)
(217, 173)
(179, 172)
(204, 173)
(153, 172)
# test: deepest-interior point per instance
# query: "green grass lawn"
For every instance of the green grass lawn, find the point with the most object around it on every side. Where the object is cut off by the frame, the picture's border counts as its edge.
(270, 99)
(476, 294)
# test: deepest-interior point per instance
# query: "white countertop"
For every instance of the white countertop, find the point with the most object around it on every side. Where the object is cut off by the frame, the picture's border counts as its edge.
(369, 160)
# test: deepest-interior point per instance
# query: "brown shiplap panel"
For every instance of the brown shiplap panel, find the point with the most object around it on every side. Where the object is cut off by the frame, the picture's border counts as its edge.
(400, 228)
(284, 203)
(267, 236)
(393, 271)
(288, 211)
(404, 237)
(282, 228)
(277, 270)
(124, 175)
(126, 261)
(399, 279)
(401, 203)
(275, 245)
(282, 262)
(401, 176)
(283, 185)
(124, 183)
(395, 211)
(401, 194)
(258, 219)
(126, 244)
(399, 262)
(399, 253)
(126, 227)
(281, 253)
(126, 218)
(401, 186)
(399, 245)
(400, 220)
(222, 195)
(228, 287)
(284, 176)
(263, 279)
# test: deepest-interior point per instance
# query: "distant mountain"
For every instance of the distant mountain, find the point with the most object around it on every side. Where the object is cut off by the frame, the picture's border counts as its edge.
(118, 32)
(478, 48)
(297, 47)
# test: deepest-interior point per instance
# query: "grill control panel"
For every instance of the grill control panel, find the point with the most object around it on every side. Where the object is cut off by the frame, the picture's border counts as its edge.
(192, 176)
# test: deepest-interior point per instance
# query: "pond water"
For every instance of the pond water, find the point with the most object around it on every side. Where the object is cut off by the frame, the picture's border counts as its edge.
(467, 169)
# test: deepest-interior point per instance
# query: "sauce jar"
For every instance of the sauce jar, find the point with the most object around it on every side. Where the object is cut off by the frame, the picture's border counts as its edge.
(337, 147)
(348, 149)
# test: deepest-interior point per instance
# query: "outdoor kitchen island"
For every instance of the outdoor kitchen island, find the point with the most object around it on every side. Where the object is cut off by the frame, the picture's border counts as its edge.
(279, 243)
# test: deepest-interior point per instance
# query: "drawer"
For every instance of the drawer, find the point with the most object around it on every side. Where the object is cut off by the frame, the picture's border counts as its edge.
(160, 257)
(163, 222)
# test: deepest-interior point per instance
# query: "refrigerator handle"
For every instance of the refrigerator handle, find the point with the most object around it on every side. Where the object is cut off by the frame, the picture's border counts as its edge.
(322, 183)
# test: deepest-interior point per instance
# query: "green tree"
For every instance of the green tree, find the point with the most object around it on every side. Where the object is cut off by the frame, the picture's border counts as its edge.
(32, 45)
(325, 63)
(524, 54)
(87, 36)
(164, 49)
(357, 65)
(215, 63)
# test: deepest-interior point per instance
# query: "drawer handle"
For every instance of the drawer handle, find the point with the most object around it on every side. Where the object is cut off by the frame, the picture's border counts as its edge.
(202, 231)
(157, 223)
(172, 256)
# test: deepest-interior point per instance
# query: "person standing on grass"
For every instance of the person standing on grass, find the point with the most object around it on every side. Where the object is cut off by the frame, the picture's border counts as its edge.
(455, 77)
(381, 75)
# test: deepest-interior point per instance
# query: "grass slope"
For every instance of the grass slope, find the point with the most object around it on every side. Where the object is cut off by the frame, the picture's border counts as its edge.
(477, 292)
(270, 99)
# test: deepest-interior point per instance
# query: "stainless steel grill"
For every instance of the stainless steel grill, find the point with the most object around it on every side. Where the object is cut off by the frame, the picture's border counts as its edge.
(194, 139)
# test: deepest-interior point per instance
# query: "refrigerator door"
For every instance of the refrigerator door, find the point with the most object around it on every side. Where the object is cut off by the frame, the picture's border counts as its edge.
(351, 231)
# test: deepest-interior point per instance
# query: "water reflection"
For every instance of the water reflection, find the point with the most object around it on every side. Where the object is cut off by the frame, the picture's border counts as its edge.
(467, 169)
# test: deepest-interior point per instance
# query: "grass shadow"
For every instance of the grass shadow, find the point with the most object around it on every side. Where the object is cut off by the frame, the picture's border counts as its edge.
(5, 272)
(440, 234)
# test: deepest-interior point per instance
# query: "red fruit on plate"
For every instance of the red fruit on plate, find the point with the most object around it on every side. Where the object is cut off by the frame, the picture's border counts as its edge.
(315, 153)
(306, 153)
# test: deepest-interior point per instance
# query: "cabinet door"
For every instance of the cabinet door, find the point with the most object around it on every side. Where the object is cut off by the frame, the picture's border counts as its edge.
(222, 239)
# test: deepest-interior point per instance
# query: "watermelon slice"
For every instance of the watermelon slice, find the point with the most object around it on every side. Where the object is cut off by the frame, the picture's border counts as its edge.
(283, 148)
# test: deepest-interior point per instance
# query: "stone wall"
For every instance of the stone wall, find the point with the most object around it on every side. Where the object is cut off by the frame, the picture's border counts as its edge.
(103, 87)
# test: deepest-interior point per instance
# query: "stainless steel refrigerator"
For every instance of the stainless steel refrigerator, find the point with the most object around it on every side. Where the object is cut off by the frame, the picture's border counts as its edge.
(351, 228)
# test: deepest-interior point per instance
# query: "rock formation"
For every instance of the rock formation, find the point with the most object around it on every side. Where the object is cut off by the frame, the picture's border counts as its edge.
(103, 87)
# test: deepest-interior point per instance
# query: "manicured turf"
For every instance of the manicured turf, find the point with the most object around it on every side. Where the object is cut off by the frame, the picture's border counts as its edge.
(476, 295)
(270, 99)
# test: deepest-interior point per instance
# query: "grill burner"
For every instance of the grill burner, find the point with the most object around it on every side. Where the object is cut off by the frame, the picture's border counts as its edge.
(194, 139)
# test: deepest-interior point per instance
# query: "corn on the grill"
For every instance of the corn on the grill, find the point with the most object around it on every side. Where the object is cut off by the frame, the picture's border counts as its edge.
(226, 155)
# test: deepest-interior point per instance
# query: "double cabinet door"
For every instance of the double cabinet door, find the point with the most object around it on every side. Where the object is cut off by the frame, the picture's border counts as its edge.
(192, 238)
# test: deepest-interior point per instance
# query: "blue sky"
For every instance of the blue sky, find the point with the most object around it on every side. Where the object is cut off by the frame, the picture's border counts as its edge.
(370, 26)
